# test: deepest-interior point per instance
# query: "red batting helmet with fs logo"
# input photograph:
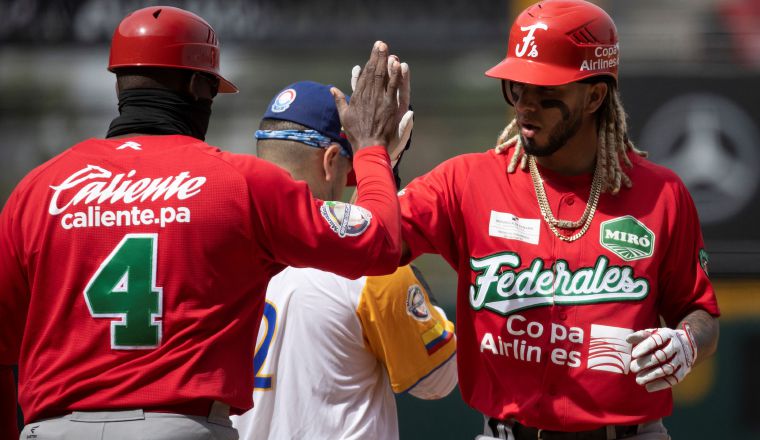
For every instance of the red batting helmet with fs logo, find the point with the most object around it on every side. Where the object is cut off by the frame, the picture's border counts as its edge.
(163, 36)
(557, 42)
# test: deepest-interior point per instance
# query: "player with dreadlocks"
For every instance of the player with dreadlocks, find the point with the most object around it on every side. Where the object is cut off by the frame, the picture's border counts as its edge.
(559, 322)
(614, 143)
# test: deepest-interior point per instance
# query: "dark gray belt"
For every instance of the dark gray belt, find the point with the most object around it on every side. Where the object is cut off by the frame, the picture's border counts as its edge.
(522, 432)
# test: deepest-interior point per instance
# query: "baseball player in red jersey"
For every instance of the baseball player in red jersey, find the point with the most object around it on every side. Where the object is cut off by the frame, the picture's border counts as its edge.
(571, 248)
(133, 268)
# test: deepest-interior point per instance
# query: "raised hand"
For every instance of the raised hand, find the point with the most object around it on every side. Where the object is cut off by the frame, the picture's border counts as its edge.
(370, 118)
(404, 116)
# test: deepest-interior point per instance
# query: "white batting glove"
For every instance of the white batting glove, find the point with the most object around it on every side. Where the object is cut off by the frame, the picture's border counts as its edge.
(404, 117)
(662, 357)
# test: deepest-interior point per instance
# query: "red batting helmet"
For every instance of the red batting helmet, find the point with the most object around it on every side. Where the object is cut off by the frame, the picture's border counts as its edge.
(163, 36)
(557, 42)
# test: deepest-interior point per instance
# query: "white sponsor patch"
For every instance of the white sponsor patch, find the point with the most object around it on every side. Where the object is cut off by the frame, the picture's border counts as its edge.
(511, 227)
(608, 350)
(346, 219)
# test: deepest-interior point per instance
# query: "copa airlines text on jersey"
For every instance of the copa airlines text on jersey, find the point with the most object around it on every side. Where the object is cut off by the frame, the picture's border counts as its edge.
(96, 185)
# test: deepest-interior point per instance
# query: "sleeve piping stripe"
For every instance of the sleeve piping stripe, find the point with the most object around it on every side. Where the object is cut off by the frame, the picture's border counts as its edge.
(431, 372)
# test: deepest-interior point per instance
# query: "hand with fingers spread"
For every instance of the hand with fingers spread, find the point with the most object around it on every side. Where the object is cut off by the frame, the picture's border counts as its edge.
(370, 118)
(662, 357)
(404, 115)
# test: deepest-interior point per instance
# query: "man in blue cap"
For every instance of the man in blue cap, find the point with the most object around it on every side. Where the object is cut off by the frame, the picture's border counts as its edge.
(332, 351)
(301, 132)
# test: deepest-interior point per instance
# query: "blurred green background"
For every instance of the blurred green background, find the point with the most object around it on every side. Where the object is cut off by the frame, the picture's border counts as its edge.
(689, 70)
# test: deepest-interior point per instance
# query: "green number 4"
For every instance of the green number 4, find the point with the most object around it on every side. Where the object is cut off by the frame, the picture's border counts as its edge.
(124, 287)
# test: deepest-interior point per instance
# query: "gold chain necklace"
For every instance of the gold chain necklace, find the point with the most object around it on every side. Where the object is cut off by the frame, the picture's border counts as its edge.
(546, 211)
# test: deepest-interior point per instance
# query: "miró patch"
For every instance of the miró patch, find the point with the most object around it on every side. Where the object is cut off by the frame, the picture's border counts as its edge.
(627, 238)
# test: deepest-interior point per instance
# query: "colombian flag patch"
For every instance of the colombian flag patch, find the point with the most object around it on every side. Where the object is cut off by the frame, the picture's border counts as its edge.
(435, 338)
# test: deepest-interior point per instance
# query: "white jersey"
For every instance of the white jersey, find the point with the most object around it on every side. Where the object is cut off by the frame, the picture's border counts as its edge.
(332, 351)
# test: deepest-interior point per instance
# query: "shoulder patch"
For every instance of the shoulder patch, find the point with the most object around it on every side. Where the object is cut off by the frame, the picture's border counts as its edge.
(416, 306)
(346, 219)
(704, 261)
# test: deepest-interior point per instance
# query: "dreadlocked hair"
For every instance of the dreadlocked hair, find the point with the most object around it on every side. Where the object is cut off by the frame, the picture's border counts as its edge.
(614, 143)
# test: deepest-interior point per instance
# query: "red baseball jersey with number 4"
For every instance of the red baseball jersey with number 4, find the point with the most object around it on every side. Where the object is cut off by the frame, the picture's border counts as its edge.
(541, 323)
(143, 263)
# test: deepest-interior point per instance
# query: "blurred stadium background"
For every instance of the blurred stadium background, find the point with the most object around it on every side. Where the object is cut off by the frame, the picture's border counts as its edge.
(689, 79)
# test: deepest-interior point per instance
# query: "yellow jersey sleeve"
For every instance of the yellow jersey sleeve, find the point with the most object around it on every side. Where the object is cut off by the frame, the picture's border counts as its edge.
(403, 329)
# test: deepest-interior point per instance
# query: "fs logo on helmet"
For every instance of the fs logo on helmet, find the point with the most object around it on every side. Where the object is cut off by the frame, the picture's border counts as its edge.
(529, 41)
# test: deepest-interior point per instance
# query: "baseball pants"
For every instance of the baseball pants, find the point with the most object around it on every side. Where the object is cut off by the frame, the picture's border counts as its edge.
(133, 425)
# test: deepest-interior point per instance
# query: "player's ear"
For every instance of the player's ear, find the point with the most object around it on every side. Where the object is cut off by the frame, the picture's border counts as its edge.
(200, 86)
(330, 162)
(595, 96)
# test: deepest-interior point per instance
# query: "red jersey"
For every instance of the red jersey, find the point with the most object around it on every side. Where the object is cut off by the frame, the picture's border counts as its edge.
(541, 323)
(144, 261)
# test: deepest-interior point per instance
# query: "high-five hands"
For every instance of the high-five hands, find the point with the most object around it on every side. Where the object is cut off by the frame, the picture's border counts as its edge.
(662, 357)
(371, 116)
(404, 116)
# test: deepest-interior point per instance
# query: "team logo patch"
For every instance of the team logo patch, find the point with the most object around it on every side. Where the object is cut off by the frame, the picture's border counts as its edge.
(528, 46)
(704, 261)
(608, 350)
(627, 238)
(283, 100)
(416, 306)
(346, 219)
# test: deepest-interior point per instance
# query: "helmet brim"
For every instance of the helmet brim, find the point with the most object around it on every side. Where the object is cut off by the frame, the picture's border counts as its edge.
(226, 86)
(539, 74)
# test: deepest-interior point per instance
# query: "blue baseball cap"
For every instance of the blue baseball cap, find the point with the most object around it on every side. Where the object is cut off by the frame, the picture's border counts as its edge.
(310, 104)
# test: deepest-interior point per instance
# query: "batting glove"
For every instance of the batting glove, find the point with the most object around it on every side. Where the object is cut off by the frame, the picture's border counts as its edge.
(405, 116)
(662, 357)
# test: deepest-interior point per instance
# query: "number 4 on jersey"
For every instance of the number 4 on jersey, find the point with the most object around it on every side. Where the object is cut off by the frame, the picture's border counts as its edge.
(124, 287)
